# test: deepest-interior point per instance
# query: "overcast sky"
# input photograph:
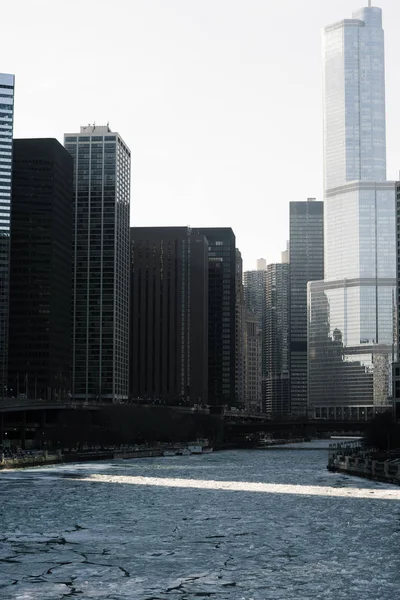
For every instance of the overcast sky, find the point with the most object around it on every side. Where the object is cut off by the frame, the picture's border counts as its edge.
(219, 100)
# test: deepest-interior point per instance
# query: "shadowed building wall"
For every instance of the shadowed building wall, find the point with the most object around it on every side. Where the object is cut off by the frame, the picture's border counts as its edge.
(169, 315)
(41, 270)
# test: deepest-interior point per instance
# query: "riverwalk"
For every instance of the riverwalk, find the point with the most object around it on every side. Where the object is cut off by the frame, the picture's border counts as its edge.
(353, 459)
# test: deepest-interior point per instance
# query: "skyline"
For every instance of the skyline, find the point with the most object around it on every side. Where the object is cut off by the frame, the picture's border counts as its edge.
(197, 93)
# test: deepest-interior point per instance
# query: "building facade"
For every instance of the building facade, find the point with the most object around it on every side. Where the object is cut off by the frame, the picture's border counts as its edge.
(255, 287)
(41, 270)
(221, 314)
(306, 264)
(100, 349)
(277, 340)
(169, 315)
(359, 221)
(396, 365)
(252, 350)
(7, 84)
(240, 325)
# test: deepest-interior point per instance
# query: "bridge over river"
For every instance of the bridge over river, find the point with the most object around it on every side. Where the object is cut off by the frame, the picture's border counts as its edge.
(30, 423)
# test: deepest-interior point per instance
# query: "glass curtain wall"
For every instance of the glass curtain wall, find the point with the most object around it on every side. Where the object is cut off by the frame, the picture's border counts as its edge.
(6, 135)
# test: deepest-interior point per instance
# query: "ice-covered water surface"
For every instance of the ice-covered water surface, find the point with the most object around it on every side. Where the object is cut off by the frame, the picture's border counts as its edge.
(246, 525)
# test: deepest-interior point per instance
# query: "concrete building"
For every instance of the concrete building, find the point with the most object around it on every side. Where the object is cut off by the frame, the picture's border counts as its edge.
(169, 315)
(261, 264)
(240, 325)
(221, 314)
(252, 349)
(41, 270)
(277, 401)
(306, 264)
(358, 292)
(255, 285)
(100, 264)
(396, 365)
(285, 255)
(6, 134)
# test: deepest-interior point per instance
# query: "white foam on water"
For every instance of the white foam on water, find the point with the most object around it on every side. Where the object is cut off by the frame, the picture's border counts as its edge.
(247, 486)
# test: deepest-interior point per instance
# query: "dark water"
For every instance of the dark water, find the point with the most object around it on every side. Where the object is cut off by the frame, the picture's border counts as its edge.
(100, 531)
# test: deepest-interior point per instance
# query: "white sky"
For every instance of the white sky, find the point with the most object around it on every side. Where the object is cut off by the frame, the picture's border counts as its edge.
(220, 101)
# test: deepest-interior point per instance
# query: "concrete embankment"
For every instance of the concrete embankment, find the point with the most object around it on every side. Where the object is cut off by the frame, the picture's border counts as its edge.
(47, 458)
(35, 460)
(362, 465)
(149, 453)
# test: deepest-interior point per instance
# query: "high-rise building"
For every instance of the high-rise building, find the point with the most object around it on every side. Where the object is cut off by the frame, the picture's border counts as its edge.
(277, 340)
(285, 255)
(240, 324)
(100, 264)
(169, 315)
(359, 221)
(41, 270)
(396, 365)
(306, 264)
(255, 285)
(6, 135)
(252, 351)
(221, 314)
(261, 264)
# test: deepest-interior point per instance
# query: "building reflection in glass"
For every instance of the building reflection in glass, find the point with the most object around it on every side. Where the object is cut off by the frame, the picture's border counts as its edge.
(349, 376)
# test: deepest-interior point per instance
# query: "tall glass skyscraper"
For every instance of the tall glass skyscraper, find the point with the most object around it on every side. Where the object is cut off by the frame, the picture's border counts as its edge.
(306, 249)
(6, 135)
(351, 313)
(100, 304)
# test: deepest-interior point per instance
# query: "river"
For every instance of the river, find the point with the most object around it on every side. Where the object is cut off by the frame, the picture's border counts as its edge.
(237, 525)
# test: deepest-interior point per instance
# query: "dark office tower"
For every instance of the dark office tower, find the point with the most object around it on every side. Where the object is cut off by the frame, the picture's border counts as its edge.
(41, 270)
(240, 324)
(221, 314)
(306, 264)
(169, 315)
(255, 285)
(6, 134)
(100, 264)
(277, 339)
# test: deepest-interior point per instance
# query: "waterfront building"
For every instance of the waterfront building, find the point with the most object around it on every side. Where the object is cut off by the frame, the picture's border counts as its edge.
(277, 392)
(396, 365)
(252, 350)
(41, 270)
(240, 330)
(169, 315)
(100, 264)
(221, 314)
(306, 264)
(356, 301)
(7, 84)
(255, 283)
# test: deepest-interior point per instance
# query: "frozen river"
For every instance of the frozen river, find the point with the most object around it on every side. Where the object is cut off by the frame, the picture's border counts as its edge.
(237, 525)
